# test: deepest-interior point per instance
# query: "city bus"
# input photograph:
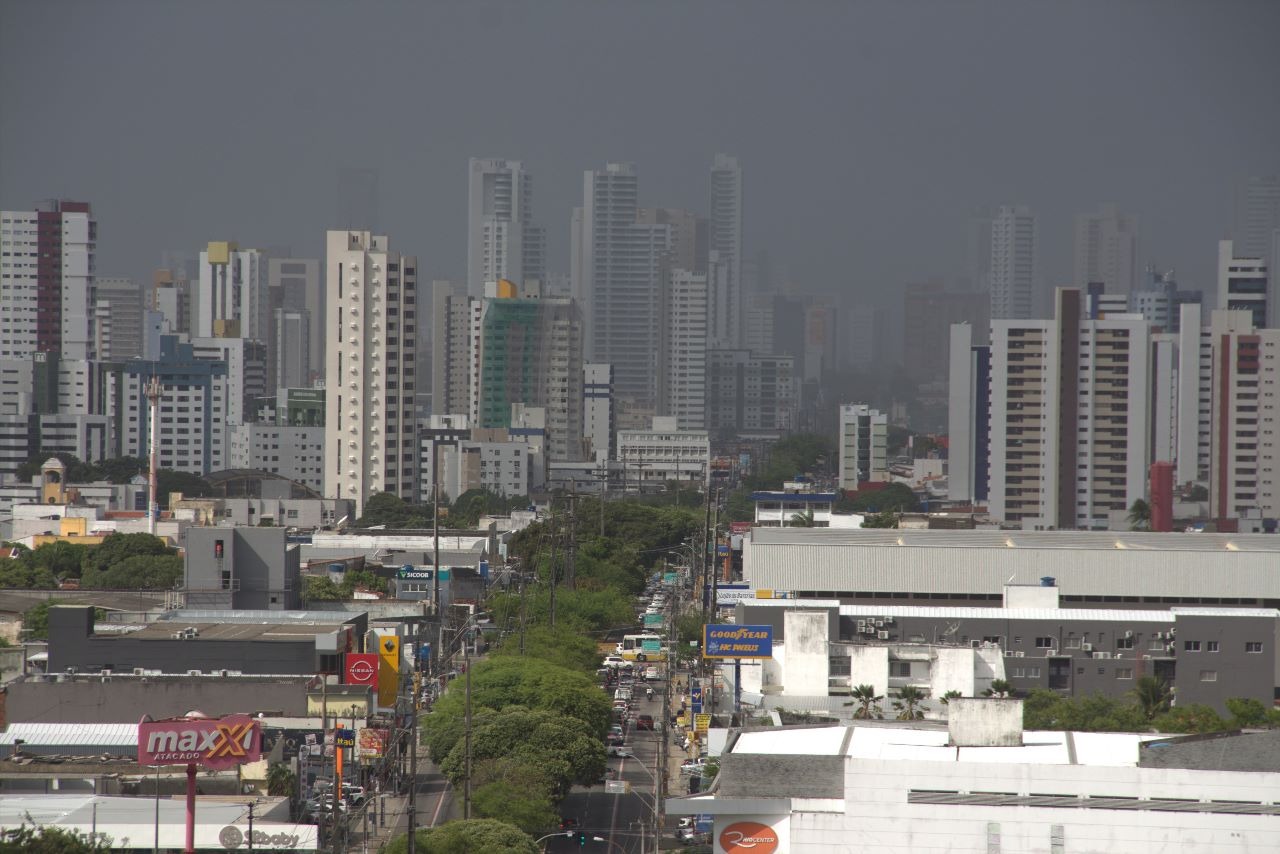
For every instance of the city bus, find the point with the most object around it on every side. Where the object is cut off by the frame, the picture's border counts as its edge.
(631, 647)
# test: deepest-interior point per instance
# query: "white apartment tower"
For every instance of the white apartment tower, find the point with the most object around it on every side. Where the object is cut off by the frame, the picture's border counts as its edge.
(683, 352)
(617, 282)
(864, 446)
(1244, 284)
(725, 246)
(1244, 460)
(47, 280)
(369, 368)
(502, 241)
(1106, 250)
(1070, 404)
(597, 410)
(1013, 263)
(232, 299)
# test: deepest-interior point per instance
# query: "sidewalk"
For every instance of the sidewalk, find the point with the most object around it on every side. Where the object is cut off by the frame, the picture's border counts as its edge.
(392, 814)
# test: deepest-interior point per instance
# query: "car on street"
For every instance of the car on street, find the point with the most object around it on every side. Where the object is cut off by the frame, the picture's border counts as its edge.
(651, 673)
(613, 740)
(693, 766)
(568, 823)
(644, 722)
(616, 661)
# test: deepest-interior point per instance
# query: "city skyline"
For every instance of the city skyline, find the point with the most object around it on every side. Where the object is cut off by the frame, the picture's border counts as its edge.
(906, 150)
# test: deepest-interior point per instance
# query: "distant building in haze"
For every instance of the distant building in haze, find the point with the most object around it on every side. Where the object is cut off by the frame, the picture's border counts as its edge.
(502, 240)
(1013, 263)
(1106, 248)
(1244, 284)
(1257, 218)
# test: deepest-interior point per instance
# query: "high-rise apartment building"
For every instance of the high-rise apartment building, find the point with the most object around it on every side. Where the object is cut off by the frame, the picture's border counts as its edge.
(1158, 299)
(968, 418)
(371, 294)
(617, 272)
(1013, 263)
(863, 446)
(455, 351)
(726, 245)
(750, 393)
(1070, 430)
(597, 410)
(1258, 218)
(290, 350)
(117, 319)
(1106, 249)
(1244, 284)
(682, 362)
(689, 234)
(232, 300)
(47, 280)
(1244, 461)
(502, 240)
(294, 284)
(530, 352)
(928, 311)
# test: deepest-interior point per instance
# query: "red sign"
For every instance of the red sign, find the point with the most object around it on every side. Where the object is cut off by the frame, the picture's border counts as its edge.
(215, 743)
(748, 837)
(362, 668)
(739, 527)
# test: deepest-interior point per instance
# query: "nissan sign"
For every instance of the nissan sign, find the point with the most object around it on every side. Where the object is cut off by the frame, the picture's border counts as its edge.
(214, 743)
(362, 668)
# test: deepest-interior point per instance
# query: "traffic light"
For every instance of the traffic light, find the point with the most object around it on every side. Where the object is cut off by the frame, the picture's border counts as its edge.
(582, 839)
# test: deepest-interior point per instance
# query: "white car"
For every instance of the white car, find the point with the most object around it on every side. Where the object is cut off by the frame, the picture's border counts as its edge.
(616, 661)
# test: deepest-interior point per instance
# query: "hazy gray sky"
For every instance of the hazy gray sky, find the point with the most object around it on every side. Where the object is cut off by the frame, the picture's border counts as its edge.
(867, 131)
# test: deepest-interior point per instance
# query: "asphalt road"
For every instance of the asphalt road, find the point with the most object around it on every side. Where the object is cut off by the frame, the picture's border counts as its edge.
(619, 820)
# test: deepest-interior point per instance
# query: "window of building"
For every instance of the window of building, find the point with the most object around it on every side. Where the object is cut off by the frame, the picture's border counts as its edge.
(1191, 646)
(1044, 643)
(900, 669)
(1033, 672)
(1208, 676)
(1124, 672)
(1124, 643)
(1211, 646)
(1253, 646)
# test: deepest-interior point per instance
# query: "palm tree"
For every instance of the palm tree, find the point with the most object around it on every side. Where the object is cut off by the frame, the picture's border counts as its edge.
(999, 688)
(1139, 515)
(867, 701)
(910, 703)
(802, 520)
(1153, 696)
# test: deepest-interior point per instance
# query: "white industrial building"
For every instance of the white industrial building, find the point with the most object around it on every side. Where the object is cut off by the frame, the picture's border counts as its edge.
(980, 785)
(663, 453)
(1091, 568)
(863, 446)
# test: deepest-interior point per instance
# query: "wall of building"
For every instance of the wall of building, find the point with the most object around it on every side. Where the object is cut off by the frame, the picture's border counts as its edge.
(125, 699)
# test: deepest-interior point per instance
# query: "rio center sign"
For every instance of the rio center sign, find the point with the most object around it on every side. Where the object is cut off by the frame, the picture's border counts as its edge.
(214, 743)
(748, 837)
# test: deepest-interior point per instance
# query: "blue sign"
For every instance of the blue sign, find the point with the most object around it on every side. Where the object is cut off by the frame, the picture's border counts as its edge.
(424, 652)
(344, 737)
(722, 549)
(733, 641)
(484, 569)
(695, 694)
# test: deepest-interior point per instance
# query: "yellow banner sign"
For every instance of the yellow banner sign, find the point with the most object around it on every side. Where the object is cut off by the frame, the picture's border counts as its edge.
(388, 671)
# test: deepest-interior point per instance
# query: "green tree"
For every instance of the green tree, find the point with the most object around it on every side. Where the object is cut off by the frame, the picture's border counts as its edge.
(739, 507)
(474, 503)
(61, 558)
(803, 519)
(1139, 515)
(1247, 713)
(1191, 719)
(474, 836)
(392, 511)
(1153, 696)
(76, 470)
(999, 688)
(867, 701)
(318, 588)
(1198, 492)
(897, 497)
(790, 457)
(140, 572)
(190, 485)
(527, 807)
(122, 469)
(909, 703)
(887, 519)
(28, 839)
(281, 781)
(116, 547)
(21, 575)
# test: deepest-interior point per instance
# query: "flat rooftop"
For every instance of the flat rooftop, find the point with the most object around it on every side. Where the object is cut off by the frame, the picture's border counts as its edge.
(959, 613)
(989, 539)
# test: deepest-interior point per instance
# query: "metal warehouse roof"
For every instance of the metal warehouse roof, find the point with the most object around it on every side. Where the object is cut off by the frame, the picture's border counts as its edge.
(1060, 614)
(71, 735)
(989, 539)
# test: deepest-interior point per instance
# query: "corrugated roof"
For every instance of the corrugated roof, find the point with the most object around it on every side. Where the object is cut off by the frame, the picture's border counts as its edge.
(954, 613)
(72, 735)
(1076, 540)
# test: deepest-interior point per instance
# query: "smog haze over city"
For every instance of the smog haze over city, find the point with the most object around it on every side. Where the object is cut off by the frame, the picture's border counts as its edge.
(868, 132)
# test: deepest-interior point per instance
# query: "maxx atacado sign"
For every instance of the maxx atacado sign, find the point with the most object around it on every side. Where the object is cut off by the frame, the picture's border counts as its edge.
(749, 837)
(214, 743)
(732, 641)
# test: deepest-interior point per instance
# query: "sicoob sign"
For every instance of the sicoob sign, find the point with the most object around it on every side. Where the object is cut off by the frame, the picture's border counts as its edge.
(214, 743)
(748, 837)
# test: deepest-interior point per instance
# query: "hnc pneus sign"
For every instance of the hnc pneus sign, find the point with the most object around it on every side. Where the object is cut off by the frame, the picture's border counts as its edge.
(214, 743)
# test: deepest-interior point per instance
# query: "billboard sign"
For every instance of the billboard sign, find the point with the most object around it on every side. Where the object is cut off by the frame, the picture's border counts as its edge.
(732, 594)
(214, 743)
(372, 742)
(344, 737)
(701, 723)
(648, 645)
(748, 837)
(726, 640)
(653, 619)
(361, 668)
(389, 671)
(670, 578)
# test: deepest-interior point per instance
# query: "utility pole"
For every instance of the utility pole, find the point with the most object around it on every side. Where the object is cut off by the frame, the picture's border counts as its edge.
(466, 778)
(413, 772)
(250, 825)
(570, 544)
(706, 547)
(552, 568)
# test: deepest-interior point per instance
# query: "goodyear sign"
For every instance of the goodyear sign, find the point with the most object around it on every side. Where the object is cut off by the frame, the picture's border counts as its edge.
(732, 641)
